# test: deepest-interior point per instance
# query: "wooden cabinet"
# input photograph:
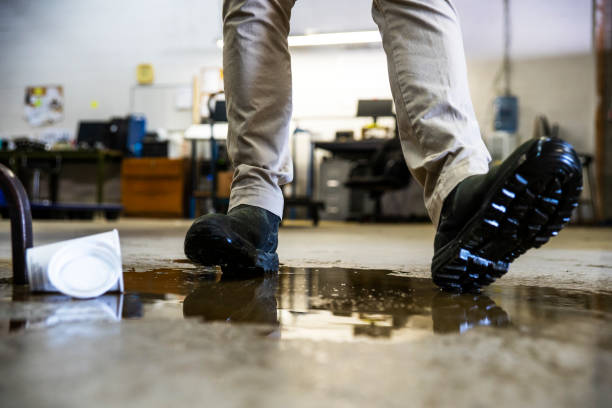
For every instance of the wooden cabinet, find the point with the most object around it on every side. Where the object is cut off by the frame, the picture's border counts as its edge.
(224, 183)
(153, 187)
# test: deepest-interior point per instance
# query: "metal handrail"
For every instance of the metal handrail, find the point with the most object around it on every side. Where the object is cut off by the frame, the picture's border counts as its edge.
(21, 222)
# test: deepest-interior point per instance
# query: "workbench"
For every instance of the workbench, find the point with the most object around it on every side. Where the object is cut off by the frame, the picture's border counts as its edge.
(24, 162)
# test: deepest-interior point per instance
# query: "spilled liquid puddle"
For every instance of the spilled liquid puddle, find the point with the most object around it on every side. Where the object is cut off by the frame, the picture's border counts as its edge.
(327, 303)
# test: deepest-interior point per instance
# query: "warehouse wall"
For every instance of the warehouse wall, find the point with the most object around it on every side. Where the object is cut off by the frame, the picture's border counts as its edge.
(328, 83)
(93, 47)
(561, 87)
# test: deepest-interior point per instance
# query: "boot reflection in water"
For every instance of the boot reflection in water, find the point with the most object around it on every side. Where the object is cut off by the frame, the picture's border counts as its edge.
(254, 301)
(458, 313)
(251, 300)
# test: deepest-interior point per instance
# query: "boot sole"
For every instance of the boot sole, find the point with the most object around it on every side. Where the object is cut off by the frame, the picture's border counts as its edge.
(235, 256)
(531, 201)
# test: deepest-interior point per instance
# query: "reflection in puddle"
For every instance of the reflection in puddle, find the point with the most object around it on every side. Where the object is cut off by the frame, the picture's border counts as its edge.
(40, 311)
(332, 303)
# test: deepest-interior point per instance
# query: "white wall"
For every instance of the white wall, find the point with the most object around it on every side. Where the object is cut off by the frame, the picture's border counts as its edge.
(561, 87)
(541, 27)
(92, 48)
(554, 71)
(327, 85)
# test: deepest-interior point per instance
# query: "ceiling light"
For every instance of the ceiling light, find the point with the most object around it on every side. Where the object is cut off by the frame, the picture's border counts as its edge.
(355, 37)
(346, 38)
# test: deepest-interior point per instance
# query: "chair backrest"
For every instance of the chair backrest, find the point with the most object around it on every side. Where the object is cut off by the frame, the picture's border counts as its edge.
(219, 113)
(217, 108)
(542, 127)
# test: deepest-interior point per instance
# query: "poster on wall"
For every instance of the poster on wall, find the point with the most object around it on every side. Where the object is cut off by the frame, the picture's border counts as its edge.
(44, 105)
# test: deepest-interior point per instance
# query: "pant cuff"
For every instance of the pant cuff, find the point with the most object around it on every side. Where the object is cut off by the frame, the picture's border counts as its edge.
(268, 199)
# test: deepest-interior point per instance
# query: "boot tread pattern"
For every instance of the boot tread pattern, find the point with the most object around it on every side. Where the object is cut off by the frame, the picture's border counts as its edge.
(533, 204)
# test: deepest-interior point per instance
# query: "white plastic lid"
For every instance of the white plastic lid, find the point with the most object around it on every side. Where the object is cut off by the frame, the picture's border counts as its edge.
(85, 270)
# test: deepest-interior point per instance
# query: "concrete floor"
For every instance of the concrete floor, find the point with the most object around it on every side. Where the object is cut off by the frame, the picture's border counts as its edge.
(351, 320)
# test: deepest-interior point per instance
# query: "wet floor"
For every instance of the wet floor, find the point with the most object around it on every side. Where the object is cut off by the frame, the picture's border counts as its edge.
(329, 303)
(185, 336)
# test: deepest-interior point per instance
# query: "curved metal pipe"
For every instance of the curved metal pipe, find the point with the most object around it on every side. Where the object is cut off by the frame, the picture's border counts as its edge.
(21, 222)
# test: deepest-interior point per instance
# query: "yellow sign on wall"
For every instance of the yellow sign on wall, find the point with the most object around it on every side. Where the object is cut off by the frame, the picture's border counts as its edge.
(145, 74)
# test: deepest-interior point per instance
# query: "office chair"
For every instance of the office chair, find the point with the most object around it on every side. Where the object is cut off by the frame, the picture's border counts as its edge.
(385, 171)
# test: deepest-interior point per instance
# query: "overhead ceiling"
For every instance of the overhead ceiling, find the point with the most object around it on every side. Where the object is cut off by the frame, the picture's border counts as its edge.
(542, 27)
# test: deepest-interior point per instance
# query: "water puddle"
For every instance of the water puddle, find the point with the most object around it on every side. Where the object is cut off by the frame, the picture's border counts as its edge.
(328, 303)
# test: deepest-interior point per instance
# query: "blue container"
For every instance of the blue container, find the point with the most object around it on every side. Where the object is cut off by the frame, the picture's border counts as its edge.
(137, 128)
(506, 113)
(2, 199)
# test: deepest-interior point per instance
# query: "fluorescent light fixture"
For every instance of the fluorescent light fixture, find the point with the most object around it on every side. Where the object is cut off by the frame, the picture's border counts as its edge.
(346, 38)
(355, 37)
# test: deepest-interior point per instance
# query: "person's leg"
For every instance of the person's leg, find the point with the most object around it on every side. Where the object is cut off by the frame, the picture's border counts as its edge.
(485, 218)
(437, 125)
(257, 76)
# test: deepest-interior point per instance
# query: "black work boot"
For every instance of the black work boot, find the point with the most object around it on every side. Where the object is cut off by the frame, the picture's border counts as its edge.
(243, 242)
(489, 220)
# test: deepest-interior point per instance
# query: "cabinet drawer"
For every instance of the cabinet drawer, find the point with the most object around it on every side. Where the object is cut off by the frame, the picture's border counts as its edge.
(153, 167)
(153, 187)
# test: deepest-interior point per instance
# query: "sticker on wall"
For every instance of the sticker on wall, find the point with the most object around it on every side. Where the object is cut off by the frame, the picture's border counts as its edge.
(145, 74)
(43, 105)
